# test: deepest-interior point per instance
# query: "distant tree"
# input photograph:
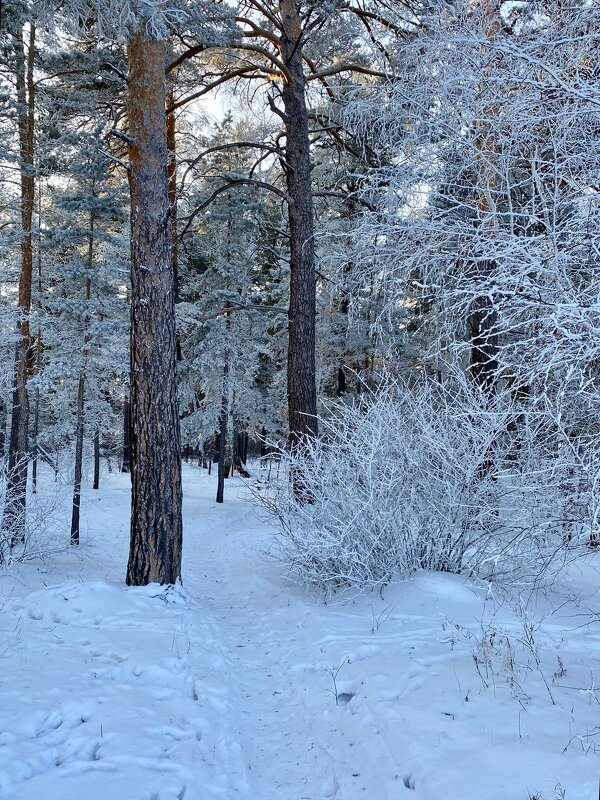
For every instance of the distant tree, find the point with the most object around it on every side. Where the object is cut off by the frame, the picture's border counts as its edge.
(232, 313)
(21, 57)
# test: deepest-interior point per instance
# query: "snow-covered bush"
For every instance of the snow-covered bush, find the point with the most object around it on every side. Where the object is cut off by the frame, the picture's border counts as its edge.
(412, 479)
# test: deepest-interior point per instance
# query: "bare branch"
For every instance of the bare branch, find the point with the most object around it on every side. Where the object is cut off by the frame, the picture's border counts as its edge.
(115, 160)
(335, 70)
(230, 185)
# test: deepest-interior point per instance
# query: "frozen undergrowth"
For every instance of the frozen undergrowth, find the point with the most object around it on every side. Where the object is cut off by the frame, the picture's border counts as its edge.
(409, 480)
(241, 686)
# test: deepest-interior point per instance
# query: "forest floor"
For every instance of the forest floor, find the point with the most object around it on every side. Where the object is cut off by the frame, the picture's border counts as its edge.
(242, 685)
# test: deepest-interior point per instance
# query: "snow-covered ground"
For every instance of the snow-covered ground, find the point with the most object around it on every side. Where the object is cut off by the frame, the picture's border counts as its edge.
(240, 685)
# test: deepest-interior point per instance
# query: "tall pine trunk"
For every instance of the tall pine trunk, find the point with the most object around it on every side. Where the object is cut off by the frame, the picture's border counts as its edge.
(75, 514)
(13, 521)
(78, 460)
(96, 484)
(38, 355)
(172, 179)
(35, 449)
(156, 518)
(223, 465)
(302, 392)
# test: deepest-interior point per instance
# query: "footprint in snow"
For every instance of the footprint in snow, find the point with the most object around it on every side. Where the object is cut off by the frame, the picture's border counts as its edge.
(52, 722)
(107, 658)
(409, 782)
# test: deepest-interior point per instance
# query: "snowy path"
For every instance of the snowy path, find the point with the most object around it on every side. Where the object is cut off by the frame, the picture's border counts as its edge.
(224, 690)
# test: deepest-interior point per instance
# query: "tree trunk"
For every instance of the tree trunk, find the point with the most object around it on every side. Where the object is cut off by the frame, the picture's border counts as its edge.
(302, 392)
(484, 346)
(78, 461)
(36, 428)
(126, 462)
(172, 179)
(239, 457)
(2, 427)
(482, 317)
(223, 468)
(264, 448)
(351, 214)
(13, 521)
(81, 386)
(96, 484)
(81, 391)
(156, 518)
(38, 354)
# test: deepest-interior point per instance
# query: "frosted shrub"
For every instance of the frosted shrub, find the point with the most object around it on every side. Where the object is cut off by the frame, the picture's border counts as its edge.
(408, 480)
(46, 525)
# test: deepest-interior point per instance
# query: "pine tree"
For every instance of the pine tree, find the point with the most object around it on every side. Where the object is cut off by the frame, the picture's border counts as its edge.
(22, 35)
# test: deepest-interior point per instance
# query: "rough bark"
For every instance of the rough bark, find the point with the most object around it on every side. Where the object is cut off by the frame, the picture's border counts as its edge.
(156, 518)
(302, 392)
(13, 521)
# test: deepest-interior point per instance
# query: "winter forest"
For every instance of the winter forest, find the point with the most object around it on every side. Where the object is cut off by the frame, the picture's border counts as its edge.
(299, 399)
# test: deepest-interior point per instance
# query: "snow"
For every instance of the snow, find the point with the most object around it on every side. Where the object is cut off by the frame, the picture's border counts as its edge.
(241, 685)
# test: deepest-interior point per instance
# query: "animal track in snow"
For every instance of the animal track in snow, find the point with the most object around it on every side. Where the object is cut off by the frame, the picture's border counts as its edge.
(409, 782)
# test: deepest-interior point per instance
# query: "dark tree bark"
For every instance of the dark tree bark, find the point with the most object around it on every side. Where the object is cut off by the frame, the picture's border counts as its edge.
(302, 392)
(34, 450)
(2, 427)
(75, 514)
(78, 461)
(482, 318)
(38, 355)
(484, 346)
(350, 213)
(223, 467)
(156, 518)
(172, 177)
(13, 521)
(264, 448)
(126, 462)
(96, 484)
(240, 439)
